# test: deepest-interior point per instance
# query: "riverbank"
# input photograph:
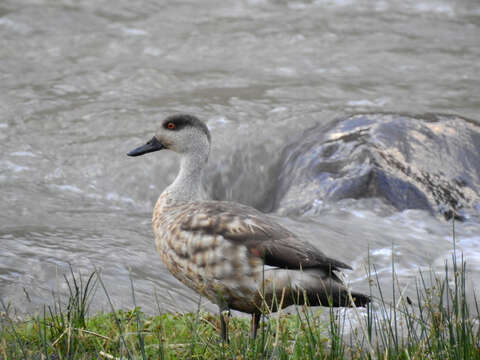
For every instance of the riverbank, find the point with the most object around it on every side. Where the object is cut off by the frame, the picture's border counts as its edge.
(439, 323)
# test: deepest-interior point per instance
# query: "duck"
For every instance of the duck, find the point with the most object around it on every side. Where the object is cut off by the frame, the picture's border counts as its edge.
(232, 254)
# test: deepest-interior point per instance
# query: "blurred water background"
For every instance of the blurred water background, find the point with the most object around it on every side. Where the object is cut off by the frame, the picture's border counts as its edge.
(83, 82)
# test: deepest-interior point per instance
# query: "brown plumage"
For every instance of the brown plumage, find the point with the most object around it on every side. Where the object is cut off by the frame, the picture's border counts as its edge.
(232, 254)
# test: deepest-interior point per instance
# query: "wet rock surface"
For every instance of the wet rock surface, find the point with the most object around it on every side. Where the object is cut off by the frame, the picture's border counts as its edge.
(429, 162)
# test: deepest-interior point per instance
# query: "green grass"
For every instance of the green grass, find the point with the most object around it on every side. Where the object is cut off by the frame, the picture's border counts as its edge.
(133, 335)
(438, 323)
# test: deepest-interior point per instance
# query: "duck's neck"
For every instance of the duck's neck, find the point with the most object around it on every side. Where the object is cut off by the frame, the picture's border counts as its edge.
(187, 187)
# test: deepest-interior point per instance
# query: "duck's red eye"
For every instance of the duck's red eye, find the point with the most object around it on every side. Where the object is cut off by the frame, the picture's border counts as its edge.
(171, 125)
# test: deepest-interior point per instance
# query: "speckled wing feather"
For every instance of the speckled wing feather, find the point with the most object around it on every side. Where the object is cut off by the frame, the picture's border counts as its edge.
(263, 237)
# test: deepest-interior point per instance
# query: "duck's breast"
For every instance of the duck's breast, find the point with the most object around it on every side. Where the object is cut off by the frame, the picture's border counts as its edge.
(209, 264)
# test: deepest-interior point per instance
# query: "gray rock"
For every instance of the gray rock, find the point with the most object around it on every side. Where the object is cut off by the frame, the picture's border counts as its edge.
(429, 162)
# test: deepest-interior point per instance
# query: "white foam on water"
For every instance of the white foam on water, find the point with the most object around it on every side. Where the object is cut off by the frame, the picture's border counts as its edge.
(379, 102)
(23, 153)
(297, 6)
(12, 166)
(69, 188)
(279, 109)
(217, 121)
(386, 252)
(435, 7)
(134, 32)
(286, 71)
(471, 250)
(359, 214)
(333, 2)
(153, 51)
(15, 26)
(116, 197)
(256, 2)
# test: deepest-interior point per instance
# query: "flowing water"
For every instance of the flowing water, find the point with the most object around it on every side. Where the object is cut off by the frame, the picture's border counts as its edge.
(83, 82)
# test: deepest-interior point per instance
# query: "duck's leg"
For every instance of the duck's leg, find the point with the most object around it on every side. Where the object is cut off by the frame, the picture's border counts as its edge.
(254, 325)
(224, 315)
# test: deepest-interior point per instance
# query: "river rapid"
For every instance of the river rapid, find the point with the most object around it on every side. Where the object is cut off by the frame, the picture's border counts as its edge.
(84, 82)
